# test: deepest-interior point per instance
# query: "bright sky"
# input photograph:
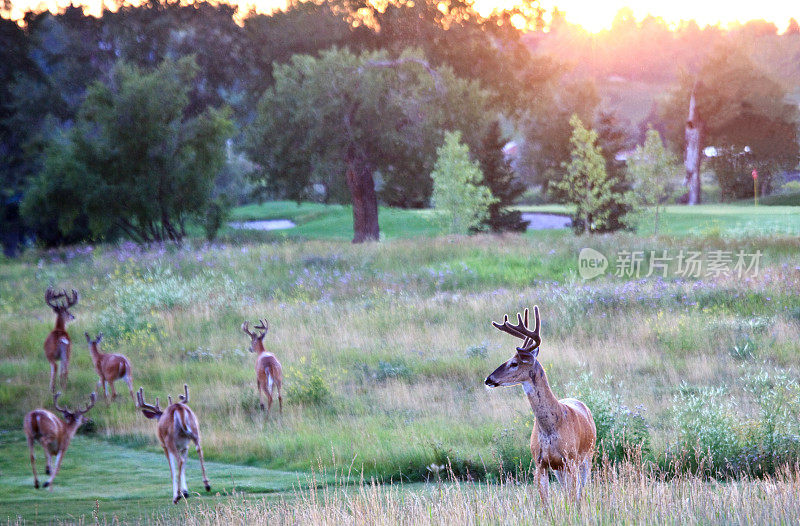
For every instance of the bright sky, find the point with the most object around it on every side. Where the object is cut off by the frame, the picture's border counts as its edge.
(593, 15)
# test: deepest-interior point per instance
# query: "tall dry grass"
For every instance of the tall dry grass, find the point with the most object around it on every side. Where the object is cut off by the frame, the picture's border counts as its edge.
(624, 494)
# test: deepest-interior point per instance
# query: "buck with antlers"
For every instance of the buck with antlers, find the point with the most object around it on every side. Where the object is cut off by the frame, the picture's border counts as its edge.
(564, 432)
(53, 433)
(177, 425)
(110, 367)
(57, 346)
(269, 374)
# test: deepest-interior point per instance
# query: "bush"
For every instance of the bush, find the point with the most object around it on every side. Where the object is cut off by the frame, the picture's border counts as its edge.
(622, 433)
(708, 441)
(311, 389)
(457, 187)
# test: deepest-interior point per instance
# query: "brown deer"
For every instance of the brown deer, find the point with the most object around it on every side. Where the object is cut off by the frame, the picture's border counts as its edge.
(110, 367)
(177, 425)
(53, 434)
(57, 346)
(269, 373)
(564, 432)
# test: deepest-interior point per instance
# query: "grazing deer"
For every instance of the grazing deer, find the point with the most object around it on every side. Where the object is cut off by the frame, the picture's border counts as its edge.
(564, 433)
(57, 346)
(177, 425)
(110, 367)
(269, 374)
(53, 434)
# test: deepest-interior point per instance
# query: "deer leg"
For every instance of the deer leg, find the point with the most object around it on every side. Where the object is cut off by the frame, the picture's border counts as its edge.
(199, 450)
(113, 390)
(59, 458)
(543, 481)
(129, 381)
(33, 463)
(280, 400)
(53, 373)
(173, 467)
(64, 366)
(585, 473)
(260, 394)
(48, 466)
(183, 487)
(269, 402)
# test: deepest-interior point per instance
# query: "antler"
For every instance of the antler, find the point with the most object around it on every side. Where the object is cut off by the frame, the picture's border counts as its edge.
(92, 400)
(530, 338)
(55, 403)
(185, 396)
(264, 326)
(141, 405)
(71, 301)
(50, 296)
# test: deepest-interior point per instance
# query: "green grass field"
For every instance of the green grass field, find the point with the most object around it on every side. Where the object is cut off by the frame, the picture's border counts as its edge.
(385, 348)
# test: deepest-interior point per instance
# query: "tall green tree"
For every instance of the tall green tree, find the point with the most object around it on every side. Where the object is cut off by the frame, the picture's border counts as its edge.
(458, 192)
(502, 182)
(655, 172)
(341, 119)
(586, 184)
(133, 161)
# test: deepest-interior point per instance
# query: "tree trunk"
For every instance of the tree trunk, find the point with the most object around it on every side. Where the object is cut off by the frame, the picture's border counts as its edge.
(365, 200)
(694, 151)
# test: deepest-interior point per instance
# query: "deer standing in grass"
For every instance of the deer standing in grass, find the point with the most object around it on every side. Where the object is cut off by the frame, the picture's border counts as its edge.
(57, 346)
(53, 434)
(177, 425)
(110, 367)
(269, 374)
(564, 432)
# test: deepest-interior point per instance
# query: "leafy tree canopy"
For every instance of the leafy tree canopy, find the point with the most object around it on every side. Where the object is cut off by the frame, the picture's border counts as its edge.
(133, 161)
(366, 114)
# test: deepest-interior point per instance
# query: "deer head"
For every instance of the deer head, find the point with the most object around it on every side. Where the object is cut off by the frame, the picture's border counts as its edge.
(256, 338)
(519, 367)
(75, 417)
(93, 343)
(150, 411)
(155, 411)
(61, 308)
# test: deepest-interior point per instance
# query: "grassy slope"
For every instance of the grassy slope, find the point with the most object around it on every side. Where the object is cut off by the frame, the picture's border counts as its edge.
(397, 332)
(127, 483)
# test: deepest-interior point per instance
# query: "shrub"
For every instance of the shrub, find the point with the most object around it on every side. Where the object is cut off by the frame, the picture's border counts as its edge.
(457, 189)
(311, 389)
(708, 441)
(478, 351)
(774, 440)
(622, 433)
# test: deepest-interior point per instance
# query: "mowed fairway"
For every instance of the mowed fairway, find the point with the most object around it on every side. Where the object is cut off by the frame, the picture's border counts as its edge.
(385, 348)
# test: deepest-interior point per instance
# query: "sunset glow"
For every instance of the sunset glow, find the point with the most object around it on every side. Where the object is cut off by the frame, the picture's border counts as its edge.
(592, 15)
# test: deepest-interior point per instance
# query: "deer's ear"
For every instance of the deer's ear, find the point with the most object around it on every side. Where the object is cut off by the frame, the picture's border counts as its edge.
(151, 414)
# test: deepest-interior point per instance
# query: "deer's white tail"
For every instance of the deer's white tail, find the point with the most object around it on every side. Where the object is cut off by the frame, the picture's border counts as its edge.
(270, 381)
(181, 425)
